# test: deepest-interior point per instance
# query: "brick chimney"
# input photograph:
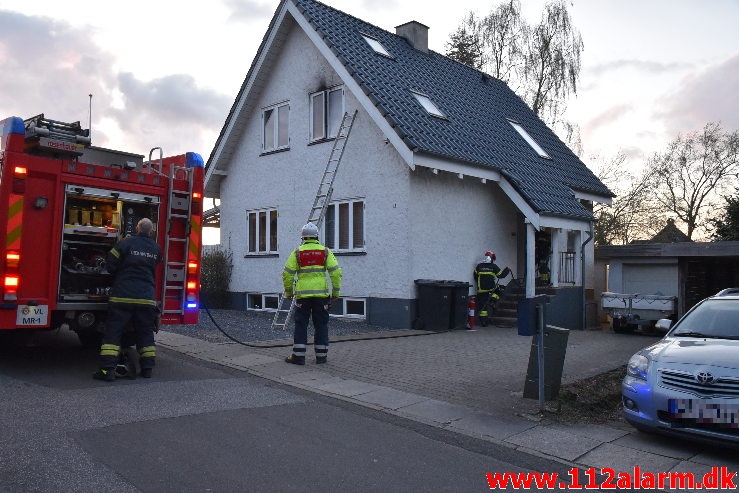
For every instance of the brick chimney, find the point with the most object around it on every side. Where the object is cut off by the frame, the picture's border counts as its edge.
(416, 33)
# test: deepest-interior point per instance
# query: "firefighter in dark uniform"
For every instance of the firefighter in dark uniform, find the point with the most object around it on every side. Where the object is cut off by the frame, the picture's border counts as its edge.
(487, 274)
(132, 261)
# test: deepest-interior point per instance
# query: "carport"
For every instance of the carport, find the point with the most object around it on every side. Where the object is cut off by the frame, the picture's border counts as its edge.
(691, 271)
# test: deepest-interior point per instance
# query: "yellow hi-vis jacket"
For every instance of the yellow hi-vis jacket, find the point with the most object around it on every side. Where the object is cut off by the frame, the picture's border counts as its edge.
(311, 261)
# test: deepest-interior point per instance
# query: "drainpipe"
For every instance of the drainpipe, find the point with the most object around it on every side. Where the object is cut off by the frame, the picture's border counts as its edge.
(582, 274)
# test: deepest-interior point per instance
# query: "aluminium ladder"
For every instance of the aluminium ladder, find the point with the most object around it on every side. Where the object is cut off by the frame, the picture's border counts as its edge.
(320, 204)
(177, 239)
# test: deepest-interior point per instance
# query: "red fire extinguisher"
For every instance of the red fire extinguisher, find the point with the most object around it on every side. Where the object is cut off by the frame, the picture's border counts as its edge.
(471, 313)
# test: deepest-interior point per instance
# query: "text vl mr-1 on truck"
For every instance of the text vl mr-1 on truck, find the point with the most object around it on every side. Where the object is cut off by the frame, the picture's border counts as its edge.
(66, 203)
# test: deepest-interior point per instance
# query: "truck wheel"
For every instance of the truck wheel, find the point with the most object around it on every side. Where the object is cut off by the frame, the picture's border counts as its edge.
(90, 338)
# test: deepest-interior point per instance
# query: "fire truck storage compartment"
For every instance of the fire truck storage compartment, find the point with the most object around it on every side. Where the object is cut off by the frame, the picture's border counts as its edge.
(94, 221)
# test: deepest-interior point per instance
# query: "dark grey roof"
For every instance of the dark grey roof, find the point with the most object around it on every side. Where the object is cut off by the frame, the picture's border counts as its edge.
(477, 107)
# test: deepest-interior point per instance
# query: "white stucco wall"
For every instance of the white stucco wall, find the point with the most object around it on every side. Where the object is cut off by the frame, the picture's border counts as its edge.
(370, 170)
(454, 221)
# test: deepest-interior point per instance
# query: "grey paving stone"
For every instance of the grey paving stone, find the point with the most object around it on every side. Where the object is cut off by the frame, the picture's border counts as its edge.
(438, 411)
(497, 427)
(625, 459)
(658, 444)
(305, 376)
(601, 433)
(554, 442)
(390, 398)
(316, 383)
(718, 457)
(250, 360)
(349, 388)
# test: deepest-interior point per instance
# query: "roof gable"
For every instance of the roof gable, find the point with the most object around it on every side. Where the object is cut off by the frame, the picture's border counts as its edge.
(477, 109)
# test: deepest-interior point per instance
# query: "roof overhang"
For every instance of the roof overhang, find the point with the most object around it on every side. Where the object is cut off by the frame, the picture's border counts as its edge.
(592, 197)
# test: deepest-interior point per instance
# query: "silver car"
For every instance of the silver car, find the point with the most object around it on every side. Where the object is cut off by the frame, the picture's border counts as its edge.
(688, 382)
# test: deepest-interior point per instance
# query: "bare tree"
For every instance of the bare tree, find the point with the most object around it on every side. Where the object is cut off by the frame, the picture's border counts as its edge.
(694, 170)
(502, 35)
(632, 214)
(540, 63)
(552, 62)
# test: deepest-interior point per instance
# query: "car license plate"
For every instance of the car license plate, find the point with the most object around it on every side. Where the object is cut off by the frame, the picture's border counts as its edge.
(705, 411)
(35, 316)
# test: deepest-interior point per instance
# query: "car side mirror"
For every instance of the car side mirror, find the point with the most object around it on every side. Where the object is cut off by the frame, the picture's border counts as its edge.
(663, 324)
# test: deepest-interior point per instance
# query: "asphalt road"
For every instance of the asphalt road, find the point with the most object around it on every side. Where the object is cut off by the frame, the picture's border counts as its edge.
(201, 427)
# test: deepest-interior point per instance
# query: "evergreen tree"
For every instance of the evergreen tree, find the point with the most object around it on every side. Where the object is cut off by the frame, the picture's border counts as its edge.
(464, 47)
(727, 227)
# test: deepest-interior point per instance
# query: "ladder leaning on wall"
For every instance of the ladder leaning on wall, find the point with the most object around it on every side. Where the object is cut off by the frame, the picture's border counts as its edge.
(320, 204)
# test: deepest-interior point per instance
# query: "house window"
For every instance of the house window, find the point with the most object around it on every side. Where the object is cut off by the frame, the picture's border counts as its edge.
(262, 301)
(428, 105)
(376, 45)
(529, 139)
(262, 231)
(326, 112)
(354, 307)
(344, 229)
(276, 124)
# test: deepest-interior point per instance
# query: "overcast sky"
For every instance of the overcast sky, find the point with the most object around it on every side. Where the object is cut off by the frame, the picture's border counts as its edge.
(165, 72)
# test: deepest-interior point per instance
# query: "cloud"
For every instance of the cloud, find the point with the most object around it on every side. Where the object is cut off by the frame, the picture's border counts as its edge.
(640, 66)
(249, 10)
(52, 67)
(605, 118)
(49, 67)
(707, 96)
(172, 108)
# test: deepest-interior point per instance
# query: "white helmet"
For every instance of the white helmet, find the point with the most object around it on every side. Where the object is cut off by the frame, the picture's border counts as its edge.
(310, 230)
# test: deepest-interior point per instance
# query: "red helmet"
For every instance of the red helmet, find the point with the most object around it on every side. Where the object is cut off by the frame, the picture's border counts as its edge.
(491, 255)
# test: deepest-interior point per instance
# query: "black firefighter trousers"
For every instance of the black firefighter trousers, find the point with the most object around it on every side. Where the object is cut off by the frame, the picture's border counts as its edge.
(143, 318)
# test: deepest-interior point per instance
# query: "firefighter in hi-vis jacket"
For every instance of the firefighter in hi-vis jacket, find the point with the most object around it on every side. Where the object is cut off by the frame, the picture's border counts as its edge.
(132, 261)
(487, 274)
(310, 262)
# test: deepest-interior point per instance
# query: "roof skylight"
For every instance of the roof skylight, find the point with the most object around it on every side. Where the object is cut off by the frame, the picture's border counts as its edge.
(377, 46)
(529, 139)
(428, 105)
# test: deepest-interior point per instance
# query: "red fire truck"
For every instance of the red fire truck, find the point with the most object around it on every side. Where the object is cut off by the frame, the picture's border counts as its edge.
(67, 203)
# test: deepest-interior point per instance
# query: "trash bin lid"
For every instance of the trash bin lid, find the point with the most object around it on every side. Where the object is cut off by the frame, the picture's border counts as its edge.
(442, 283)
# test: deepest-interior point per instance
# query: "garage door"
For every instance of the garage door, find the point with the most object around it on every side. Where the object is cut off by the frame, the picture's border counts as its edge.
(650, 279)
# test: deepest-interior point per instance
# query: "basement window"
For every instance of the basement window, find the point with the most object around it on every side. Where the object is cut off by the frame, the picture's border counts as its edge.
(377, 46)
(529, 139)
(428, 105)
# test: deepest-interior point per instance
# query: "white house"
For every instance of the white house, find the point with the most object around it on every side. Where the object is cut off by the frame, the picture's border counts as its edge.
(443, 163)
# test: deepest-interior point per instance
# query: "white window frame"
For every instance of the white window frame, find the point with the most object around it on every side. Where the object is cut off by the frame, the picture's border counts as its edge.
(279, 141)
(428, 105)
(334, 243)
(262, 301)
(345, 313)
(260, 233)
(324, 98)
(377, 46)
(529, 139)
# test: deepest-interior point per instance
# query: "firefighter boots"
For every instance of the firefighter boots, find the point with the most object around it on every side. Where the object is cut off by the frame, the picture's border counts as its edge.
(295, 360)
(104, 374)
